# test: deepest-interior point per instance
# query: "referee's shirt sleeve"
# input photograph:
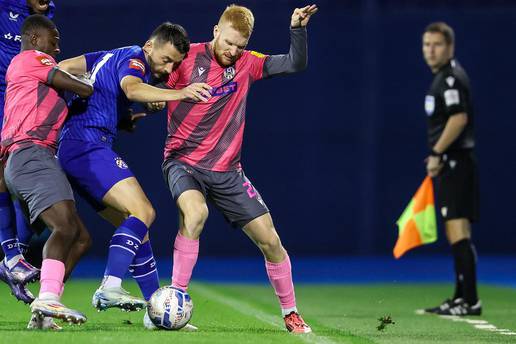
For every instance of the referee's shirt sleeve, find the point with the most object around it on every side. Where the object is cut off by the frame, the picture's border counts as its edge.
(455, 96)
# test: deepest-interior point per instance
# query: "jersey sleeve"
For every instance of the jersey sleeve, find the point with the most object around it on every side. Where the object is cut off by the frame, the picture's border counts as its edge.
(257, 61)
(133, 66)
(39, 66)
(91, 58)
(455, 96)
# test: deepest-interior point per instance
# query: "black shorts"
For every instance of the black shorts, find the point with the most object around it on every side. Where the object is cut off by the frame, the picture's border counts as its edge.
(34, 176)
(457, 187)
(231, 192)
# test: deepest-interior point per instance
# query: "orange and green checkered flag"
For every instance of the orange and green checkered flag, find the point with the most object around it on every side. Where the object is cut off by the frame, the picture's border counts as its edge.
(417, 225)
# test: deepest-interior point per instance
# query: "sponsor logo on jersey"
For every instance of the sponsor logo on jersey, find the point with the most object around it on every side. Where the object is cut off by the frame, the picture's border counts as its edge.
(137, 64)
(451, 97)
(201, 70)
(429, 105)
(257, 54)
(225, 89)
(13, 16)
(121, 163)
(45, 60)
(229, 73)
(9, 36)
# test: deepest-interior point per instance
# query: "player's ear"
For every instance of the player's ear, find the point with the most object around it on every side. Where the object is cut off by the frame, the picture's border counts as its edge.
(34, 39)
(147, 47)
(216, 31)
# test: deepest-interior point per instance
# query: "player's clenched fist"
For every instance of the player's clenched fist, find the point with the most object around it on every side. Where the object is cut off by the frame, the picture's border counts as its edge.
(197, 91)
(301, 16)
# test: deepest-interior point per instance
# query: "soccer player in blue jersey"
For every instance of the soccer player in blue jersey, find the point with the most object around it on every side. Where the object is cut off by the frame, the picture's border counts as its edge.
(120, 77)
(15, 232)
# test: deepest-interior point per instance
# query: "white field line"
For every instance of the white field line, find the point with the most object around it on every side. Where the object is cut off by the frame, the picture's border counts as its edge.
(247, 309)
(480, 324)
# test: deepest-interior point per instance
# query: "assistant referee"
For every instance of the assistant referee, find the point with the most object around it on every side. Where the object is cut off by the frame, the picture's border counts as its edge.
(451, 162)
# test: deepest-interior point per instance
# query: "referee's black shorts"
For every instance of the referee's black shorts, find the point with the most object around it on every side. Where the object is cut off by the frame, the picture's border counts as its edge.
(457, 186)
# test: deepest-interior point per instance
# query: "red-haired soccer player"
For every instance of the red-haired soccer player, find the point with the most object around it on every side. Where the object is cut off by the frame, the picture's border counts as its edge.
(202, 151)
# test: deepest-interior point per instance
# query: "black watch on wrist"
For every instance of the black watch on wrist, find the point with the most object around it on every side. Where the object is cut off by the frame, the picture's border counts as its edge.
(437, 155)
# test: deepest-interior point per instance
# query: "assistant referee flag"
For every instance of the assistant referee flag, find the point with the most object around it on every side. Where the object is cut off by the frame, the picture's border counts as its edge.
(417, 225)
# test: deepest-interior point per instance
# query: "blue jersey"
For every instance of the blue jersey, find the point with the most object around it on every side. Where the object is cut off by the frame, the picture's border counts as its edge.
(108, 103)
(12, 15)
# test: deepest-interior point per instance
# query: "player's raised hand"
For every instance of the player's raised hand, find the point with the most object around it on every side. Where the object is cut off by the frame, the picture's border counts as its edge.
(301, 16)
(197, 91)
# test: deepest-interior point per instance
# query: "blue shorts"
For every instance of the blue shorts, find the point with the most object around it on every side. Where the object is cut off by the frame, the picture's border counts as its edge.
(92, 169)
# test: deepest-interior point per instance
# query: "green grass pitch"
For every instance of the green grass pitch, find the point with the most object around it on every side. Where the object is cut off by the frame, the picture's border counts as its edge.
(239, 313)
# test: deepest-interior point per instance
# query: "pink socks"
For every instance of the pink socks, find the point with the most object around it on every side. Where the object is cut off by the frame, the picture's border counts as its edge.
(185, 256)
(280, 275)
(51, 280)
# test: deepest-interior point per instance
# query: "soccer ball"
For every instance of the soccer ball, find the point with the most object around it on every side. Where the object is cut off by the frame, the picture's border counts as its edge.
(170, 308)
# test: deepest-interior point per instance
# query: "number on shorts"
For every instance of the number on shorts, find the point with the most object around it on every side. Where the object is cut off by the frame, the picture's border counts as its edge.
(251, 192)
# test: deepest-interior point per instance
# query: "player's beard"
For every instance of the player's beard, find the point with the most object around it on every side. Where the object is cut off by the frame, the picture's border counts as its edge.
(219, 54)
(158, 76)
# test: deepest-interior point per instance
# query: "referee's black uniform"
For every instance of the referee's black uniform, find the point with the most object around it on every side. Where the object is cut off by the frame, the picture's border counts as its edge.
(457, 182)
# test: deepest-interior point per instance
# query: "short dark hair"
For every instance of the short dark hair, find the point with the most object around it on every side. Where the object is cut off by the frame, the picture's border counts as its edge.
(174, 34)
(35, 22)
(444, 29)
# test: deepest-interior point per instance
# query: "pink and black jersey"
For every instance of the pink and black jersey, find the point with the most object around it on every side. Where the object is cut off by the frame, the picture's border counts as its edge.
(34, 112)
(208, 135)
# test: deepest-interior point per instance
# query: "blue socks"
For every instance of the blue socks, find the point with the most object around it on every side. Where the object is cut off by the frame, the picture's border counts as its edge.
(144, 270)
(8, 239)
(23, 230)
(123, 246)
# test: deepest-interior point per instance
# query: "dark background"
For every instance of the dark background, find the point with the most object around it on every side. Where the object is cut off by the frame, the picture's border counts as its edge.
(336, 151)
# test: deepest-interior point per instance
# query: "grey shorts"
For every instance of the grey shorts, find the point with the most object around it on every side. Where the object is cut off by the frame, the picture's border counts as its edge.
(231, 192)
(33, 175)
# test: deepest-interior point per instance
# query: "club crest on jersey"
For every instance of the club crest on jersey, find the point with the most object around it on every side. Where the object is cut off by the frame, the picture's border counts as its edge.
(137, 64)
(121, 163)
(429, 105)
(229, 73)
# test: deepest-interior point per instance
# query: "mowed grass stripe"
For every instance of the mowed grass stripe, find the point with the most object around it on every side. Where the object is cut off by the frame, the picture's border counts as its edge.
(247, 309)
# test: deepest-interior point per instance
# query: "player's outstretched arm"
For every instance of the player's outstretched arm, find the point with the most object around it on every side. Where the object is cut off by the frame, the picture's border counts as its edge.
(64, 81)
(138, 91)
(75, 65)
(297, 58)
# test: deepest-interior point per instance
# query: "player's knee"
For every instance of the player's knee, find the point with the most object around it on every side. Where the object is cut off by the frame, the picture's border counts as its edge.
(270, 244)
(67, 227)
(146, 214)
(194, 220)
